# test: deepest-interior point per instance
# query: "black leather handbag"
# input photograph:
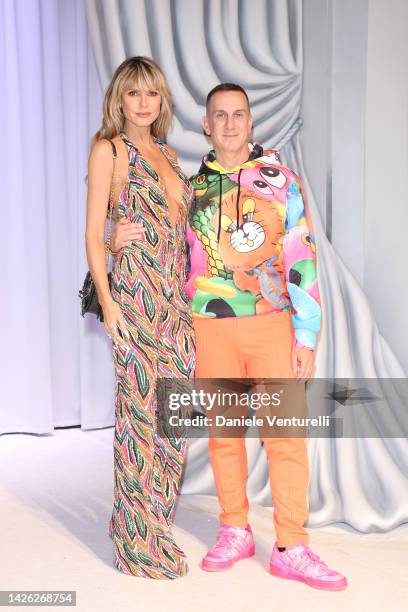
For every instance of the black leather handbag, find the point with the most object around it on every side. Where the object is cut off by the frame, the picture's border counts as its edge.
(89, 297)
(88, 294)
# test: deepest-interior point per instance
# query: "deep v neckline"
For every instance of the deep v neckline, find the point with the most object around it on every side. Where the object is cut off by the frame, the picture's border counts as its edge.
(159, 180)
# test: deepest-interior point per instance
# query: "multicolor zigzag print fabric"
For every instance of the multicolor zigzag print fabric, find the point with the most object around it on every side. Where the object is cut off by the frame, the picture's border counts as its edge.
(148, 283)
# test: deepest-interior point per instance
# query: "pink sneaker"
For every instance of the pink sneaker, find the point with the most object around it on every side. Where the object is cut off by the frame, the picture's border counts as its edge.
(300, 563)
(233, 544)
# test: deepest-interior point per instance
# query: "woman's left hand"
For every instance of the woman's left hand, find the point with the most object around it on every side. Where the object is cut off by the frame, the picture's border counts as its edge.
(302, 363)
(124, 233)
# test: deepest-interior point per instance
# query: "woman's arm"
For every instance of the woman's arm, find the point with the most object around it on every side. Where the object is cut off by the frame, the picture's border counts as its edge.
(100, 169)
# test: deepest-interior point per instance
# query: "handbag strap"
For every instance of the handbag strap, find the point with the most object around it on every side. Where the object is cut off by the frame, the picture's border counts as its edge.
(112, 191)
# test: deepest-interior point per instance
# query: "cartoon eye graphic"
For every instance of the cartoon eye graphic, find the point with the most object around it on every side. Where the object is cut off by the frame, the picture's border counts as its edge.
(227, 224)
(307, 240)
(273, 176)
(248, 210)
(200, 179)
(263, 187)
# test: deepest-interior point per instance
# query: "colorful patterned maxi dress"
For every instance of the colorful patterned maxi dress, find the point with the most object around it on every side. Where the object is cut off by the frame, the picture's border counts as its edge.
(148, 283)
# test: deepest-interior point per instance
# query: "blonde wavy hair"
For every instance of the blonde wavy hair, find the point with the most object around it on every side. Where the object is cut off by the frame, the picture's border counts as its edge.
(138, 71)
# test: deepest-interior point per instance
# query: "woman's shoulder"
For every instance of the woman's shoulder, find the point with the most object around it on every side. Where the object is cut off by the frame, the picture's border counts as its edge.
(101, 150)
(100, 162)
(104, 150)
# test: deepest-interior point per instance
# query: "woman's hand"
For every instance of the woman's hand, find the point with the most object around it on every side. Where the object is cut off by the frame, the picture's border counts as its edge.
(125, 233)
(114, 323)
(302, 363)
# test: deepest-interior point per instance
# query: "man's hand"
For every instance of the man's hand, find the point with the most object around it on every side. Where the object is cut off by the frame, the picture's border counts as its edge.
(302, 363)
(125, 233)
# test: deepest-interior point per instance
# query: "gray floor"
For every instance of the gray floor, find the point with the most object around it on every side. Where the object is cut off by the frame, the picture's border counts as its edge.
(55, 502)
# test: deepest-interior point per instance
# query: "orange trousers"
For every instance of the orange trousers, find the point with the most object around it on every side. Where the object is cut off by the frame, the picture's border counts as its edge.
(255, 347)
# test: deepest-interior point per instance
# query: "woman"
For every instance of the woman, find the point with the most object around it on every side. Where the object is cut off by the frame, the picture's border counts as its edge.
(146, 313)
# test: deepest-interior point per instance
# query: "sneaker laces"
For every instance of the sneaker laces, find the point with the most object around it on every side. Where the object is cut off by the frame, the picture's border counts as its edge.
(314, 558)
(305, 556)
(228, 540)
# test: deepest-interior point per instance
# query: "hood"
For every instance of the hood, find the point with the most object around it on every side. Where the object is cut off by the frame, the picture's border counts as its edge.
(210, 166)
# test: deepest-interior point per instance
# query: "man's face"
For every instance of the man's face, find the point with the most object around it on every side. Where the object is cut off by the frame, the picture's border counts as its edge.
(228, 121)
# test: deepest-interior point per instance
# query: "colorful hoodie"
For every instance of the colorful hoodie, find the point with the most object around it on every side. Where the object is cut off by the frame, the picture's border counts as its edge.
(251, 250)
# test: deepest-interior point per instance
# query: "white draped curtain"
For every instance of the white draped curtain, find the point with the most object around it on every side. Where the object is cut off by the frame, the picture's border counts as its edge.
(54, 368)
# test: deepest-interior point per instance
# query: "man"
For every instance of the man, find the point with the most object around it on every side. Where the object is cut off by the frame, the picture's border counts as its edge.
(255, 300)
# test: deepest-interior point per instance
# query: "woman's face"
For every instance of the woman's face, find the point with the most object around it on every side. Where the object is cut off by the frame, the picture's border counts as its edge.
(140, 106)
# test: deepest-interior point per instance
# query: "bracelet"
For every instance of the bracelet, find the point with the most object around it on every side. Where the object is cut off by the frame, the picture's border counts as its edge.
(108, 247)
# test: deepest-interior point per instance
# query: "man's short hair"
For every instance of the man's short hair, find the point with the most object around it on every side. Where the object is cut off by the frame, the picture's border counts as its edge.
(226, 87)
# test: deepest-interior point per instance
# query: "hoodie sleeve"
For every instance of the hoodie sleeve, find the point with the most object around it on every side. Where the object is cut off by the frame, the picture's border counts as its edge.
(299, 259)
